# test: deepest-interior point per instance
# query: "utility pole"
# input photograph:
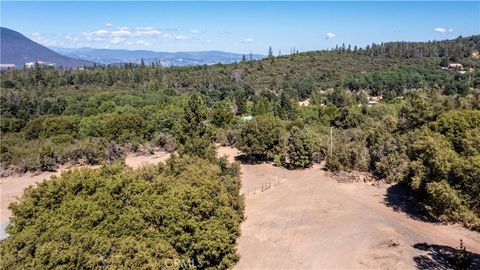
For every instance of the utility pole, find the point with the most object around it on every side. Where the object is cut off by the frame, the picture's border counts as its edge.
(331, 140)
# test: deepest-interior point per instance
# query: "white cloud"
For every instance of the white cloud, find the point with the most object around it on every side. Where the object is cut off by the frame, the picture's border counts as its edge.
(248, 40)
(443, 30)
(147, 32)
(329, 35)
(36, 34)
(101, 32)
(98, 35)
(72, 38)
(47, 41)
(208, 41)
(180, 37)
(121, 33)
(223, 32)
(143, 43)
(117, 40)
(115, 35)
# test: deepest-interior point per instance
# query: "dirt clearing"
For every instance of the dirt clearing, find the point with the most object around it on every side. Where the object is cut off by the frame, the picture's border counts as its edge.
(309, 221)
(305, 220)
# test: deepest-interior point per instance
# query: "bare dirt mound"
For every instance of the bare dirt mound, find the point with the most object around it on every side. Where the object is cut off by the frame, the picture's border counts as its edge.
(137, 161)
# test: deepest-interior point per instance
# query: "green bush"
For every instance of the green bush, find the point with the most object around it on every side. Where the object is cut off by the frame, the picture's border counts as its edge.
(166, 142)
(11, 124)
(333, 164)
(127, 219)
(263, 137)
(91, 151)
(439, 153)
(48, 125)
(443, 200)
(48, 160)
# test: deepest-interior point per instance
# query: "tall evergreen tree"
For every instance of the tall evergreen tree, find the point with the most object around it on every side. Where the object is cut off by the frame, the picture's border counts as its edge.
(196, 138)
(300, 148)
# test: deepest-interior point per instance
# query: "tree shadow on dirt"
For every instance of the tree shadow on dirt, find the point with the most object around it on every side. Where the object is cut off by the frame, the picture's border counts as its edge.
(248, 159)
(445, 257)
(400, 199)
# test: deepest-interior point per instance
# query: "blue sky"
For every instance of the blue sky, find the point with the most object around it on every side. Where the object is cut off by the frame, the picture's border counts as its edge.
(237, 26)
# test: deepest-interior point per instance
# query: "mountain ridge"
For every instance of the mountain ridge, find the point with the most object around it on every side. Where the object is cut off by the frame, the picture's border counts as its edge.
(181, 58)
(17, 50)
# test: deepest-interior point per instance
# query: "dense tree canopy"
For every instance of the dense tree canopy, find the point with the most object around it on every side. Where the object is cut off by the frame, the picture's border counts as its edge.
(263, 137)
(179, 215)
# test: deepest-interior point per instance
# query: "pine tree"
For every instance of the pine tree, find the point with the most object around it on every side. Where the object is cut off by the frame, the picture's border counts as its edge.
(263, 106)
(270, 52)
(196, 139)
(300, 148)
(194, 117)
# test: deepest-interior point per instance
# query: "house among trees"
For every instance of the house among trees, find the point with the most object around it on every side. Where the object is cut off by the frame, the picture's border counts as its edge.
(374, 100)
(475, 54)
(455, 66)
(247, 118)
(7, 66)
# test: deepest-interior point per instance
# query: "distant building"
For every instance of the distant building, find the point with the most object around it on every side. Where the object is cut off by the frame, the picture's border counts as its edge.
(304, 103)
(475, 54)
(455, 66)
(247, 118)
(40, 63)
(6, 66)
(374, 100)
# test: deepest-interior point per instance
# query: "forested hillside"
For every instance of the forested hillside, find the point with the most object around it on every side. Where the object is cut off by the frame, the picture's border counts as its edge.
(397, 111)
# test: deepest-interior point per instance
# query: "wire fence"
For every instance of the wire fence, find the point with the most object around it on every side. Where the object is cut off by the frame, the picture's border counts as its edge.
(264, 186)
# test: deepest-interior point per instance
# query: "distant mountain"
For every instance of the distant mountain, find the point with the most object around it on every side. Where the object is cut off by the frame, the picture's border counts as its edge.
(111, 56)
(18, 50)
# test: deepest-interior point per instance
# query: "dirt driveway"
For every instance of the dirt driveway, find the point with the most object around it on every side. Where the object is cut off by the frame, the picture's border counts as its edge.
(310, 221)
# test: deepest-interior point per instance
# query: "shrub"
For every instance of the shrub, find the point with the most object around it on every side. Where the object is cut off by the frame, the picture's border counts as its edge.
(124, 126)
(227, 137)
(48, 160)
(92, 151)
(166, 142)
(221, 117)
(11, 124)
(333, 164)
(393, 167)
(114, 152)
(188, 210)
(47, 126)
(262, 137)
(443, 201)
